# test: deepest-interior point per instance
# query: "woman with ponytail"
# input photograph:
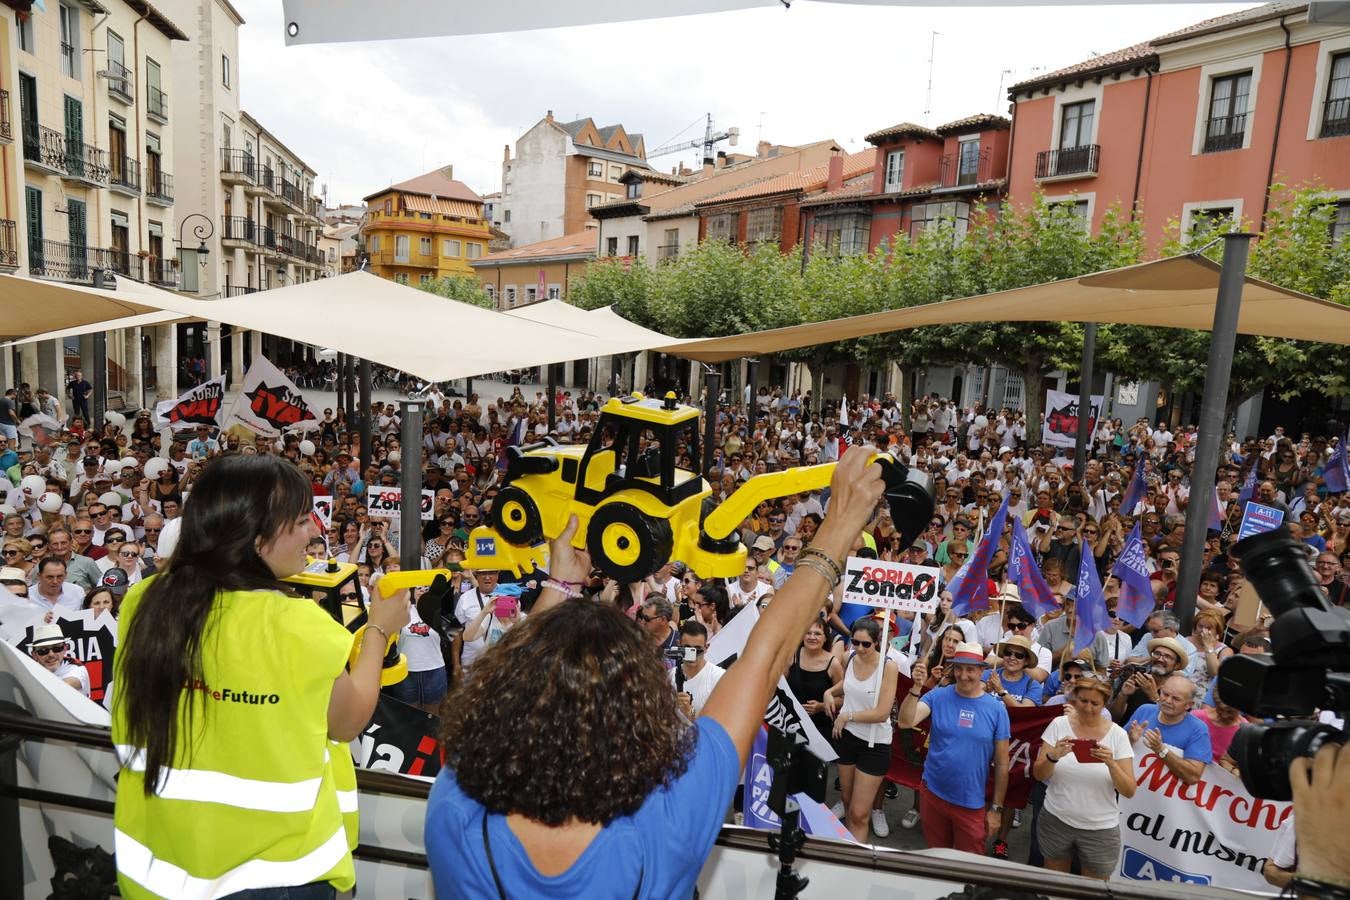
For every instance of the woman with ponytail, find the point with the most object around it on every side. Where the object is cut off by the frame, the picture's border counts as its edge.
(234, 703)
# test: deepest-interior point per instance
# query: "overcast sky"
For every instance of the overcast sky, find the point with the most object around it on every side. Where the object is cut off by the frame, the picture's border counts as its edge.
(365, 115)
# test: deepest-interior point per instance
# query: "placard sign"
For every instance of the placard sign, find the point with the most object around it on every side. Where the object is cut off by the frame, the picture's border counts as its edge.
(387, 502)
(1258, 518)
(323, 508)
(891, 585)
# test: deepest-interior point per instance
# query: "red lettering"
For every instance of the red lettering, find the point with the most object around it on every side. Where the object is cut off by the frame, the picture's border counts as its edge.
(1158, 776)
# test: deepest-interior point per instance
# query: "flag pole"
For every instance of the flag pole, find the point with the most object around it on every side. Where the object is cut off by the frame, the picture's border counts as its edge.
(881, 663)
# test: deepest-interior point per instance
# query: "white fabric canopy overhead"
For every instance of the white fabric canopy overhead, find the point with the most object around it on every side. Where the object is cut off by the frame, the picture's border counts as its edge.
(332, 21)
(603, 323)
(144, 320)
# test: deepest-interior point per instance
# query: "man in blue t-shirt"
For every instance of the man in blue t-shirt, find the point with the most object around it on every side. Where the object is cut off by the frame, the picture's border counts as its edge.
(970, 728)
(1167, 728)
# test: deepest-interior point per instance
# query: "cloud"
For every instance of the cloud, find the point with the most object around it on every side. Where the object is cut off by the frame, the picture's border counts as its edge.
(364, 115)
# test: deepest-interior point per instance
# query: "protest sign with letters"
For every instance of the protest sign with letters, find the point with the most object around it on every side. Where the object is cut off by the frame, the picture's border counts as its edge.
(270, 403)
(1061, 418)
(891, 585)
(199, 405)
(400, 739)
(387, 503)
(323, 508)
(93, 641)
(1212, 832)
(1258, 518)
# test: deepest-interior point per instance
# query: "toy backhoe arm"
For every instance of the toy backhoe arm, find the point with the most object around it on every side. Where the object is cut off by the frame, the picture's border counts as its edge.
(723, 520)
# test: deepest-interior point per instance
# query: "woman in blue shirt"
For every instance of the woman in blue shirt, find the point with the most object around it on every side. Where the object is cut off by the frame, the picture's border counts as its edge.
(568, 772)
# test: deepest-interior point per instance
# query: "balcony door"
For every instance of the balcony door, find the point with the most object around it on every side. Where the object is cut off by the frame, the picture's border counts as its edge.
(74, 136)
(117, 150)
(78, 232)
(33, 203)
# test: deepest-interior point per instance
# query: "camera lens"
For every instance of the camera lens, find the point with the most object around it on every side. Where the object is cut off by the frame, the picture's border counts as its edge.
(1263, 753)
(1277, 566)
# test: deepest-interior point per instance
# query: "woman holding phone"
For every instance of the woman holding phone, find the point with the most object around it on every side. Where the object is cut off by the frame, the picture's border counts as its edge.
(1085, 761)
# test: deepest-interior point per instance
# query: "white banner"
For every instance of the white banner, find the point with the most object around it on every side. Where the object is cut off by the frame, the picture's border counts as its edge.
(323, 508)
(1212, 832)
(1061, 418)
(387, 502)
(200, 405)
(891, 585)
(270, 403)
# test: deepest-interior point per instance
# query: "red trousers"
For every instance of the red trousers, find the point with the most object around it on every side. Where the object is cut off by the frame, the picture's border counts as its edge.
(949, 826)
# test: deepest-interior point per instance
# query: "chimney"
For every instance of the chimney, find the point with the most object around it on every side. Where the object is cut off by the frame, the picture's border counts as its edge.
(707, 167)
(721, 159)
(548, 117)
(449, 172)
(506, 152)
(762, 149)
(835, 180)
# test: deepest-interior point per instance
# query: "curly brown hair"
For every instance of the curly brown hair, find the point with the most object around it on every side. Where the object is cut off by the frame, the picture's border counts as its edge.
(570, 715)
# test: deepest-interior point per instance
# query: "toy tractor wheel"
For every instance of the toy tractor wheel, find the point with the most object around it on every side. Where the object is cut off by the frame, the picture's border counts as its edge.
(516, 517)
(626, 543)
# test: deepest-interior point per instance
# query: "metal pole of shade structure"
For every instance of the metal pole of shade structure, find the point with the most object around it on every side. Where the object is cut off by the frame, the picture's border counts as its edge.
(410, 468)
(367, 454)
(341, 363)
(1085, 378)
(712, 389)
(552, 388)
(752, 375)
(1235, 249)
(99, 364)
(350, 377)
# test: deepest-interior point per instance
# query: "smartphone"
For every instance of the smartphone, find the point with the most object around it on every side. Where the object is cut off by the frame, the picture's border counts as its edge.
(1082, 750)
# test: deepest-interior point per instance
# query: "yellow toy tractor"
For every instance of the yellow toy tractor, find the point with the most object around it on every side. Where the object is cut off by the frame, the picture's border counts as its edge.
(636, 508)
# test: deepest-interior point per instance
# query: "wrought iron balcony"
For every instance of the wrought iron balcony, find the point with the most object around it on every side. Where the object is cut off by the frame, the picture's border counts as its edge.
(124, 175)
(163, 272)
(61, 260)
(157, 104)
(1335, 117)
(239, 228)
(1225, 133)
(975, 169)
(159, 188)
(1068, 161)
(86, 163)
(123, 262)
(9, 244)
(238, 164)
(6, 132)
(44, 147)
(291, 193)
(119, 82)
(234, 290)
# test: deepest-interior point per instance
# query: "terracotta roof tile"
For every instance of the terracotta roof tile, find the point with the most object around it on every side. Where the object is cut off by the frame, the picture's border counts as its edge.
(1135, 53)
(977, 122)
(578, 243)
(903, 130)
(860, 188)
(804, 180)
(433, 184)
(1232, 20)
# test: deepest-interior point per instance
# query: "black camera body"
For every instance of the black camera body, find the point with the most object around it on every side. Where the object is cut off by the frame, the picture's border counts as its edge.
(1307, 670)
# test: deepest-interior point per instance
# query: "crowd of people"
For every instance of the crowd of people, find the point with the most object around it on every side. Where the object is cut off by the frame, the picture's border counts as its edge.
(84, 515)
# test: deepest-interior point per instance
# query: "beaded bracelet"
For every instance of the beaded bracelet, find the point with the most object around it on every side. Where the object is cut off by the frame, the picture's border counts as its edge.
(816, 566)
(816, 553)
(565, 588)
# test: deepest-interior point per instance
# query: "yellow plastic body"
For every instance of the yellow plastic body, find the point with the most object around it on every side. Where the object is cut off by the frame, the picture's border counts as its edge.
(322, 575)
(405, 579)
(389, 674)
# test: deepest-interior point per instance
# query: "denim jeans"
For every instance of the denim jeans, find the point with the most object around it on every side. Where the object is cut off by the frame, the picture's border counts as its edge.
(318, 890)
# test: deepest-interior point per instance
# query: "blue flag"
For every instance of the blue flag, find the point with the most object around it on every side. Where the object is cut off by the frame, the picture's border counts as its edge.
(1037, 598)
(970, 586)
(1136, 591)
(1090, 615)
(1137, 489)
(1249, 483)
(1336, 475)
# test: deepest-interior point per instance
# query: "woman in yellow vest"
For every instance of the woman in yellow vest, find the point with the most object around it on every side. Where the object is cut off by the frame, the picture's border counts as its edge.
(233, 704)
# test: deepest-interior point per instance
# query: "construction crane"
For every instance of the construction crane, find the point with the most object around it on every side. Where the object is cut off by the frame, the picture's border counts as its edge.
(709, 142)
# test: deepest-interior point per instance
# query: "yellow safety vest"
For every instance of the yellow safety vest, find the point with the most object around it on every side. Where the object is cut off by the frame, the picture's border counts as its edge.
(256, 795)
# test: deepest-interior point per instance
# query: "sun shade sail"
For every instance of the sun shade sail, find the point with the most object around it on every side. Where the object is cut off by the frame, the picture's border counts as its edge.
(1177, 292)
(603, 323)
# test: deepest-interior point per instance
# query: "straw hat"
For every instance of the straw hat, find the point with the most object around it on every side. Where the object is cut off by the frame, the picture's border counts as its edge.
(1018, 641)
(968, 655)
(1171, 643)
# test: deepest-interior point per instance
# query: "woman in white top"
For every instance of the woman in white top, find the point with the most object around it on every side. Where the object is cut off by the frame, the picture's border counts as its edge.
(1081, 813)
(862, 728)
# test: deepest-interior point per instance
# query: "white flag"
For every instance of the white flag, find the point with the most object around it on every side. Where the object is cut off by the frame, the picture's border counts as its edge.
(270, 403)
(200, 405)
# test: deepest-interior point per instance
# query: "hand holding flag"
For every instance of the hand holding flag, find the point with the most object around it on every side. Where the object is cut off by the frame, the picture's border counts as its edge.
(1037, 598)
(1136, 591)
(1137, 489)
(969, 588)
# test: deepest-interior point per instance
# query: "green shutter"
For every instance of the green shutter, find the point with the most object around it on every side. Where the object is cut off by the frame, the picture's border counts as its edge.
(78, 232)
(74, 136)
(33, 201)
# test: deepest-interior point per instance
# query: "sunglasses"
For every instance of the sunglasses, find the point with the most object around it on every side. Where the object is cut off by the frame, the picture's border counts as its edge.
(83, 531)
(128, 554)
(1015, 654)
(11, 553)
(346, 596)
(48, 651)
(1018, 626)
(866, 645)
(957, 555)
(643, 617)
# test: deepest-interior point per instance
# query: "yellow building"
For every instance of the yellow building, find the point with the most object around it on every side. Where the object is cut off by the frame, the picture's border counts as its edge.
(427, 228)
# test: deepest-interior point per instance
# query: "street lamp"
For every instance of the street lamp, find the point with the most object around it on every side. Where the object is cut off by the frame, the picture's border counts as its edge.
(201, 232)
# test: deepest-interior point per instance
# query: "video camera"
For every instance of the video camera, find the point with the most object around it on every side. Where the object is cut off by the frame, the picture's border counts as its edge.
(1308, 669)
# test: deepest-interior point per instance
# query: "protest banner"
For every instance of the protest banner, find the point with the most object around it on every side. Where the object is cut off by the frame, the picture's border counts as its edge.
(400, 739)
(200, 405)
(1258, 518)
(323, 508)
(387, 503)
(93, 641)
(816, 818)
(1061, 418)
(909, 749)
(891, 585)
(270, 403)
(1212, 832)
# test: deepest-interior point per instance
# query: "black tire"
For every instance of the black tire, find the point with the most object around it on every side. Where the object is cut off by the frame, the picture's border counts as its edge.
(515, 516)
(627, 544)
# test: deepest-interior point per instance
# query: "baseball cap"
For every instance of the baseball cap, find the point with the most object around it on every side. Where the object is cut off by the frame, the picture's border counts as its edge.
(116, 581)
(763, 542)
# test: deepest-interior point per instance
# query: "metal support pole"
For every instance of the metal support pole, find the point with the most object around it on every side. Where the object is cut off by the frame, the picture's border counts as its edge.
(1235, 249)
(468, 389)
(367, 450)
(98, 405)
(410, 469)
(712, 388)
(552, 388)
(752, 375)
(1085, 377)
(349, 376)
(341, 363)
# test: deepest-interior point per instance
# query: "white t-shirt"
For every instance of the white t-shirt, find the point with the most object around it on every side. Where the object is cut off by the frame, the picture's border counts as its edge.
(78, 672)
(700, 687)
(1081, 795)
(468, 606)
(421, 644)
(739, 597)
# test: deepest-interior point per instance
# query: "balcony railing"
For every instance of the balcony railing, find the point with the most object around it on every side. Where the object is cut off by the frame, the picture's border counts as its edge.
(1067, 161)
(6, 133)
(156, 103)
(123, 262)
(159, 187)
(291, 193)
(1335, 117)
(9, 244)
(85, 162)
(239, 228)
(163, 272)
(314, 206)
(238, 162)
(61, 260)
(266, 179)
(972, 170)
(1225, 133)
(234, 290)
(667, 252)
(119, 82)
(68, 59)
(43, 145)
(125, 173)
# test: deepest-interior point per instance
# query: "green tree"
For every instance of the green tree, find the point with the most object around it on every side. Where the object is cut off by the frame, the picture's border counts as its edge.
(464, 288)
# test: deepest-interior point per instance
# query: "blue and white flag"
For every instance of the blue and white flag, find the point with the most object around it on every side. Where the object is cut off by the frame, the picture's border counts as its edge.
(1136, 591)
(1137, 489)
(1090, 615)
(1249, 483)
(816, 818)
(1336, 475)
(970, 586)
(1037, 598)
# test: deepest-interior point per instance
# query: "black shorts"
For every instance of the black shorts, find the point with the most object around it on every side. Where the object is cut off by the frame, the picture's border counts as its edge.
(853, 751)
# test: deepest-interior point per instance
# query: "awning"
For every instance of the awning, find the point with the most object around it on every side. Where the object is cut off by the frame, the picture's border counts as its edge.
(1177, 292)
(144, 320)
(603, 323)
(460, 208)
(33, 306)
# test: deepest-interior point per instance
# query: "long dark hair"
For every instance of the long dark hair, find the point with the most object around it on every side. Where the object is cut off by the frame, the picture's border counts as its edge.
(237, 502)
(717, 595)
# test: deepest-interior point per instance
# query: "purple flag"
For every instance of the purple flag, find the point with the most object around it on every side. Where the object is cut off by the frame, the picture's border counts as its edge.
(1249, 483)
(1336, 475)
(970, 586)
(1037, 598)
(1090, 615)
(1136, 591)
(1137, 489)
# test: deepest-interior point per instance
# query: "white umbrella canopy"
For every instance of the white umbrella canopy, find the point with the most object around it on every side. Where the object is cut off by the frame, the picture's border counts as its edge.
(604, 323)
